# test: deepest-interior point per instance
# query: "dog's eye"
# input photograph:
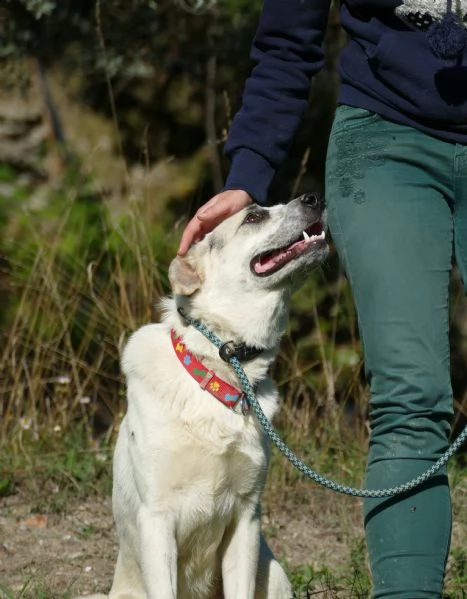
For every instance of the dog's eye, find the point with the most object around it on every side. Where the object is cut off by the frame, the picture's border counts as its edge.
(254, 217)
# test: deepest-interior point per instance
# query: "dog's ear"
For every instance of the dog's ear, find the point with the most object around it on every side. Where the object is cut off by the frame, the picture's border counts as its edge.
(183, 276)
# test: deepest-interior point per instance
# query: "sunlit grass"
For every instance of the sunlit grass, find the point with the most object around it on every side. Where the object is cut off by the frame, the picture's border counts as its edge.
(74, 285)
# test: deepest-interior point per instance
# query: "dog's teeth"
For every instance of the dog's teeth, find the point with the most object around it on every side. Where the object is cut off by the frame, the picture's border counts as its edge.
(306, 237)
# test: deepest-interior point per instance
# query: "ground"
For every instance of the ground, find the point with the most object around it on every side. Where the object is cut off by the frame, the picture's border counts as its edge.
(77, 548)
(56, 545)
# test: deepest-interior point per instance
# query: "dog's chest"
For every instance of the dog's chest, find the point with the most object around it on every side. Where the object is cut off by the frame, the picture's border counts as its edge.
(219, 470)
(211, 488)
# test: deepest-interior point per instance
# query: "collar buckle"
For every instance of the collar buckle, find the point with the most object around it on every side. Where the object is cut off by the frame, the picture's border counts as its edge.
(242, 407)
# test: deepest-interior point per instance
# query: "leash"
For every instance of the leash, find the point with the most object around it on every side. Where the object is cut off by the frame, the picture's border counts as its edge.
(294, 459)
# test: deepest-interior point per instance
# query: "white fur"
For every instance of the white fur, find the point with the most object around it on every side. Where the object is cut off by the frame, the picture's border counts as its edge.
(189, 472)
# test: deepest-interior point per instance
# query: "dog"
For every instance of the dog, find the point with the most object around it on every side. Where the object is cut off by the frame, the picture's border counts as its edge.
(190, 466)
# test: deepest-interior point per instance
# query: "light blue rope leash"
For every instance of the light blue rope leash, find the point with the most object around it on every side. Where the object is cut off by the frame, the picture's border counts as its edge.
(296, 461)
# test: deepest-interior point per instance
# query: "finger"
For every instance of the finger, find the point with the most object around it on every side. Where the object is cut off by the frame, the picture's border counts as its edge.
(212, 210)
(210, 215)
(192, 232)
(204, 221)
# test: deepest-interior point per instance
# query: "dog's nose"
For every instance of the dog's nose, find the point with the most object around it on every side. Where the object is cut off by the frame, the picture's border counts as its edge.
(312, 200)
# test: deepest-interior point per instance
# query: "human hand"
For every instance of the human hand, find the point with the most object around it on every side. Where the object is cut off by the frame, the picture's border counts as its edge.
(211, 214)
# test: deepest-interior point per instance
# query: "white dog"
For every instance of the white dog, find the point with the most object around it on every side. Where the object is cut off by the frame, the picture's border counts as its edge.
(190, 462)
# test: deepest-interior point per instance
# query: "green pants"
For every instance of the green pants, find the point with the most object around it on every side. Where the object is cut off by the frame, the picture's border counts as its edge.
(397, 209)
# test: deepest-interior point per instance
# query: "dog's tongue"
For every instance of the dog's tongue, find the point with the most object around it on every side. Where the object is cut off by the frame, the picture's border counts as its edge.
(272, 259)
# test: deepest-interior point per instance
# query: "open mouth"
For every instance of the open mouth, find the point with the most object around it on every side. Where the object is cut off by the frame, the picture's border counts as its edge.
(267, 263)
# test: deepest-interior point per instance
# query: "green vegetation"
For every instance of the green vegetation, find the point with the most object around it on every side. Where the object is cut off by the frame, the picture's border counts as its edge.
(91, 210)
(33, 591)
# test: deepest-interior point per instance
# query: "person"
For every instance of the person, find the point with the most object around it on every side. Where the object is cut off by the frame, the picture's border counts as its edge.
(396, 194)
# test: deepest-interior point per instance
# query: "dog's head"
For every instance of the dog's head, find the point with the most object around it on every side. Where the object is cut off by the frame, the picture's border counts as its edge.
(256, 248)
(251, 259)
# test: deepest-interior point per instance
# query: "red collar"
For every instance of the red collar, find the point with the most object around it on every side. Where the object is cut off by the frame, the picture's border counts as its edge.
(227, 394)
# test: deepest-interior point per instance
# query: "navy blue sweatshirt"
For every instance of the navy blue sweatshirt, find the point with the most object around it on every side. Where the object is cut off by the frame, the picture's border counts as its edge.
(387, 67)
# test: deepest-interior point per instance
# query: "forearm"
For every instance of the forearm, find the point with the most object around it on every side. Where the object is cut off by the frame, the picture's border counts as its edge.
(287, 50)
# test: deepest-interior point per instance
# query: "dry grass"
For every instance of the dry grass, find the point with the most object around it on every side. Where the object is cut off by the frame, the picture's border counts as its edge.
(74, 285)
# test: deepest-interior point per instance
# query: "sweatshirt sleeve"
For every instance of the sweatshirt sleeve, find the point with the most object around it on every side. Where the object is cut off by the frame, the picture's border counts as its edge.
(287, 52)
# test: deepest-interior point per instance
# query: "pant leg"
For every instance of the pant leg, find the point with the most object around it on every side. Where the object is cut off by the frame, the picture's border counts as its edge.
(388, 191)
(460, 210)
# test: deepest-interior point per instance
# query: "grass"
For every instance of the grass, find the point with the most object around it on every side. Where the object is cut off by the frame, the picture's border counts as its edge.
(74, 284)
(32, 590)
(56, 473)
(350, 580)
(53, 472)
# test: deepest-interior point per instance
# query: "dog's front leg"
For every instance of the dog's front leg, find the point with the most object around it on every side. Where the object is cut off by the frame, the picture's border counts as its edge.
(240, 558)
(158, 553)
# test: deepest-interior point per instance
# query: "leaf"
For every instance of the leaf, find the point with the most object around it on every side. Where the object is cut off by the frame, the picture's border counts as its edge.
(6, 486)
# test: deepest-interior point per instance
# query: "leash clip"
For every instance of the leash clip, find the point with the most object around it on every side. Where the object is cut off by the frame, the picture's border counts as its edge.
(241, 351)
(228, 350)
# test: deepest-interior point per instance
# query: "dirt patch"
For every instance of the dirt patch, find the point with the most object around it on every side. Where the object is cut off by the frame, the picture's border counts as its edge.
(77, 549)
(74, 552)
(73, 549)
(309, 525)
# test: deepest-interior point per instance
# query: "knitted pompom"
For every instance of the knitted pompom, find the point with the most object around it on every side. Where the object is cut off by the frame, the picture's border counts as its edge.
(447, 38)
